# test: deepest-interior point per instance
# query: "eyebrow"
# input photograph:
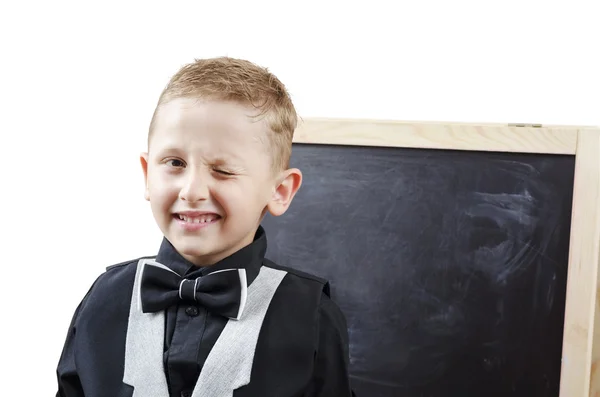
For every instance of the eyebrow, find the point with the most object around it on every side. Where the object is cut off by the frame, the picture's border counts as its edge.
(220, 160)
(226, 161)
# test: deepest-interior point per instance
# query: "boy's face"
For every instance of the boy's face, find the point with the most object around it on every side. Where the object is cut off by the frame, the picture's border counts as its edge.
(209, 177)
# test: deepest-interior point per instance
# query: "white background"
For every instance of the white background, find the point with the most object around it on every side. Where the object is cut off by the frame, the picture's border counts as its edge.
(79, 81)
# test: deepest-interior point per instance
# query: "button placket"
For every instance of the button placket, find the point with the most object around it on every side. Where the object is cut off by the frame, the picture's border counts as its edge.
(191, 311)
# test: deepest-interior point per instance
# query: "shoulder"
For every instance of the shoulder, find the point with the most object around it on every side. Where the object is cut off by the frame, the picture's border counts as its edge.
(126, 264)
(331, 315)
(119, 273)
(306, 289)
(123, 272)
(301, 277)
(115, 283)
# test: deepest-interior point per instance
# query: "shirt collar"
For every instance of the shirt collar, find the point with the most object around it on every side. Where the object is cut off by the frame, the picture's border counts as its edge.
(250, 258)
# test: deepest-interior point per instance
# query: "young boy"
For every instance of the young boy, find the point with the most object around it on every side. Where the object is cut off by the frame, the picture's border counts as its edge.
(209, 315)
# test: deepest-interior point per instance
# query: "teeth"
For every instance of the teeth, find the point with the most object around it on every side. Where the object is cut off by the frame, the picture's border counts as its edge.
(198, 219)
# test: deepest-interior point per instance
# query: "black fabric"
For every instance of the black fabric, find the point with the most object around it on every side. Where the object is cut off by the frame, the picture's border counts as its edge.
(219, 292)
(190, 329)
(302, 348)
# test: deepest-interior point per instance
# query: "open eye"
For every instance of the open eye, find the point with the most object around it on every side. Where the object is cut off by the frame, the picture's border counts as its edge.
(175, 163)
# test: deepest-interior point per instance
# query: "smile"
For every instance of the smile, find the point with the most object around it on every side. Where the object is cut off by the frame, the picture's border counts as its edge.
(204, 218)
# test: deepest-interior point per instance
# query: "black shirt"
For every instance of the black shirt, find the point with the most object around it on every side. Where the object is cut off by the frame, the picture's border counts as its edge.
(91, 362)
(191, 330)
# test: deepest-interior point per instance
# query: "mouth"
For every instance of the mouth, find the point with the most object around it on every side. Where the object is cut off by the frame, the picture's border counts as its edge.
(197, 218)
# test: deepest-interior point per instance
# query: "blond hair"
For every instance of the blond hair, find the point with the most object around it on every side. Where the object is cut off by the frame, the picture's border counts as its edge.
(242, 81)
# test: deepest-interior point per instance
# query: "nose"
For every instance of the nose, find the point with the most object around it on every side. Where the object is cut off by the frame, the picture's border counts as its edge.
(195, 186)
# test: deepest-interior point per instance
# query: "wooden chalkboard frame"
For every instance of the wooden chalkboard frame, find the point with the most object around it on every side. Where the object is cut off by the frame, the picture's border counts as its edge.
(580, 371)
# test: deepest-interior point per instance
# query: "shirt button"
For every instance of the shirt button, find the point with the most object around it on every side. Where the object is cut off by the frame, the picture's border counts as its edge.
(191, 311)
(186, 394)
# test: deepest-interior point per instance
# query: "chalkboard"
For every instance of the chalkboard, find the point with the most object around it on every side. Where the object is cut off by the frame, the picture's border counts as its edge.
(450, 266)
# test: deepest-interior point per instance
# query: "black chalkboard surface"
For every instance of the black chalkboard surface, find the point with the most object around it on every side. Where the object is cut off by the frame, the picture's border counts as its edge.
(450, 266)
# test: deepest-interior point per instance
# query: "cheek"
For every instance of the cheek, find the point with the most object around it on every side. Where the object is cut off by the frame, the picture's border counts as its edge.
(162, 194)
(227, 195)
(240, 196)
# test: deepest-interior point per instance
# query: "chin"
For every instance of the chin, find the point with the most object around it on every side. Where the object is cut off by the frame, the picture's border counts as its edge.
(191, 249)
(199, 258)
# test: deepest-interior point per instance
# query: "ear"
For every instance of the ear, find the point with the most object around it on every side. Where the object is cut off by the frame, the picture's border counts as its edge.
(144, 161)
(289, 183)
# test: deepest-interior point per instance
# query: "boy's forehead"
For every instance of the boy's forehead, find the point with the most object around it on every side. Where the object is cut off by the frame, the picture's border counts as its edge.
(185, 124)
(186, 113)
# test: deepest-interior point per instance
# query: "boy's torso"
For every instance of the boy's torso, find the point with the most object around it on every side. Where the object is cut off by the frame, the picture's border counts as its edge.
(281, 364)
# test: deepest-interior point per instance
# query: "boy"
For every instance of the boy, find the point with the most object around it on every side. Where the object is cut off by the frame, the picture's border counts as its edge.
(209, 315)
